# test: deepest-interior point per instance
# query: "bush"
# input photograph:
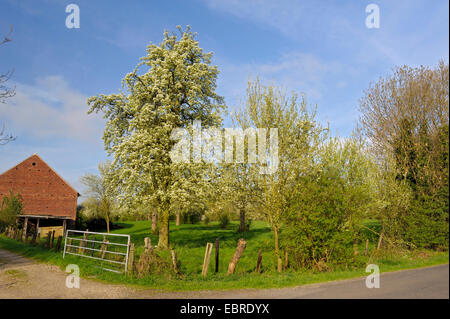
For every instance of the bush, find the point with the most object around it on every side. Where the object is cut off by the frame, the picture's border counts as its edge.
(11, 206)
(427, 224)
(192, 217)
(322, 222)
(154, 262)
(224, 220)
(317, 233)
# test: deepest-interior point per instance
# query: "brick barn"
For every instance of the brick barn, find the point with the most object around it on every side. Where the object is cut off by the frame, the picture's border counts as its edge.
(49, 202)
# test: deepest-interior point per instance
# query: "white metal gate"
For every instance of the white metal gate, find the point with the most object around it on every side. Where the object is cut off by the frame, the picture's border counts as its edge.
(109, 251)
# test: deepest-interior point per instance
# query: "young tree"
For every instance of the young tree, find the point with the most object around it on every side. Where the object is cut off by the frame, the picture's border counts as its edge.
(10, 207)
(100, 201)
(299, 137)
(178, 87)
(239, 187)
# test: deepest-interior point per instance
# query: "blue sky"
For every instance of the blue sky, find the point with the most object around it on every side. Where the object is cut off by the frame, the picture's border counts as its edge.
(322, 49)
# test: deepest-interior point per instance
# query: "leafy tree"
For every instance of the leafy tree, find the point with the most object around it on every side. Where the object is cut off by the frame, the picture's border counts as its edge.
(100, 201)
(239, 190)
(299, 138)
(405, 117)
(11, 206)
(177, 87)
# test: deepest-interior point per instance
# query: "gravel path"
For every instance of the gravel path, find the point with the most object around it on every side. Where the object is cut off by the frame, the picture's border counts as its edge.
(21, 277)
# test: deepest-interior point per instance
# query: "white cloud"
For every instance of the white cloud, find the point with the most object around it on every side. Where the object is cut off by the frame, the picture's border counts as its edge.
(295, 71)
(291, 18)
(51, 109)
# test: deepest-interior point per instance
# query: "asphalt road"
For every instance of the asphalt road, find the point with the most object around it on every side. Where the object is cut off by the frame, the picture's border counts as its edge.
(422, 283)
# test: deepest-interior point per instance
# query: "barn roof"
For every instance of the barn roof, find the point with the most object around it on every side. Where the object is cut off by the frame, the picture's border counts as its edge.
(40, 158)
(43, 190)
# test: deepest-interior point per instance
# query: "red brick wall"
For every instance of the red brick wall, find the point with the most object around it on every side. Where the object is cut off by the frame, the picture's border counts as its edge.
(43, 191)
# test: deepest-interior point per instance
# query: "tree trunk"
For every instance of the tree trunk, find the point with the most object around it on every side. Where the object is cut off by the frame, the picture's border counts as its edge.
(178, 218)
(154, 222)
(107, 223)
(242, 220)
(277, 251)
(163, 242)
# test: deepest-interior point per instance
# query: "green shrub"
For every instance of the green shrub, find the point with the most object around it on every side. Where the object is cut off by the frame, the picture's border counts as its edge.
(11, 206)
(317, 231)
(224, 220)
(427, 224)
(330, 201)
(192, 217)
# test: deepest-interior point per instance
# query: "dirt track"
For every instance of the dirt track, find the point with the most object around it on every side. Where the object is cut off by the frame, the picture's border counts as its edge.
(23, 278)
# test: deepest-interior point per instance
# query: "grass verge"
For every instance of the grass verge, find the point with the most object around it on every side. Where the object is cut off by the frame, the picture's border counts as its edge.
(189, 240)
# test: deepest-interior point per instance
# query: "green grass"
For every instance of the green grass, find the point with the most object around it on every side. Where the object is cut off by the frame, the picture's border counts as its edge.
(189, 243)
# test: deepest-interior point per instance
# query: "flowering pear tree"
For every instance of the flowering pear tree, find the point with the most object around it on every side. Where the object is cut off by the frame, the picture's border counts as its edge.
(176, 87)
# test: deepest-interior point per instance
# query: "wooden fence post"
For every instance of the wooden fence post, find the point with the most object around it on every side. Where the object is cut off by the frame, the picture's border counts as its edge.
(92, 249)
(33, 240)
(237, 255)
(70, 248)
(85, 238)
(286, 260)
(131, 259)
(217, 255)
(147, 243)
(367, 247)
(49, 235)
(53, 240)
(104, 247)
(174, 261)
(58, 243)
(207, 259)
(83, 243)
(80, 247)
(25, 227)
(259, 261)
